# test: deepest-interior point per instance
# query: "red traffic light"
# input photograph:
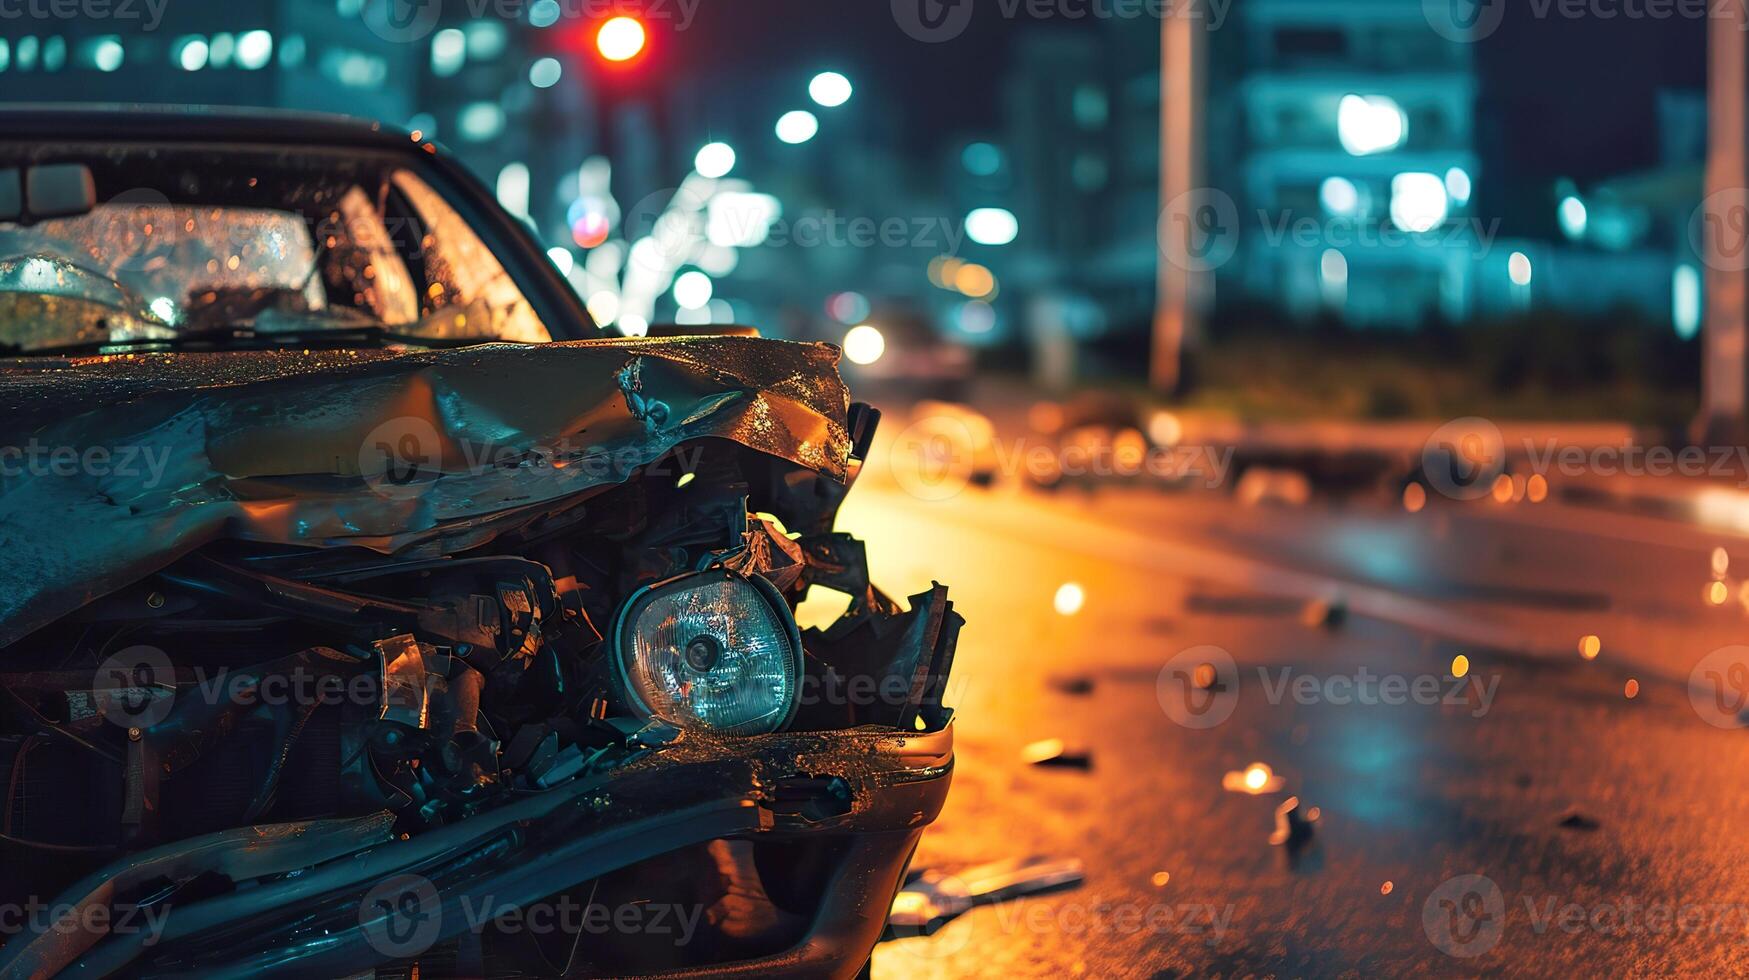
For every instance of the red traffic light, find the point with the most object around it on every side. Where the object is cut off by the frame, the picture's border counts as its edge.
(621, 39)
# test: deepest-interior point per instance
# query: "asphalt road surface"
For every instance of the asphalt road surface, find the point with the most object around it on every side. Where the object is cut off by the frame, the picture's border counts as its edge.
(1548, 814)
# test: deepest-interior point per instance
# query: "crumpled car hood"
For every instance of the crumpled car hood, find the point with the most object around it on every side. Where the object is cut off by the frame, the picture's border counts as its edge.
(288, 447)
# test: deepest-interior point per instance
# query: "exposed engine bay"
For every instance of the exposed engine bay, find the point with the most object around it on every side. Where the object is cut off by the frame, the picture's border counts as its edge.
(386, 694)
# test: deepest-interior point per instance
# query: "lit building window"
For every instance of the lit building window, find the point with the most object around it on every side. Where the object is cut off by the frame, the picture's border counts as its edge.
(1685, 302)
(1340, 197)
(254, 50)
(292, 51)
(481, 121)
(1574, 217)
(1368, 124)
(449, 52)
(1459, 185)
(485, 40)
(190, 52)
(102, 53)
(1518, 269)
(545, 73)
(1418, 202)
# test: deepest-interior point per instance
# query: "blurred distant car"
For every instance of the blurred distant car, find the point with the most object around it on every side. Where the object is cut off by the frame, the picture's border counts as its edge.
(899, 353)
(1097, 436)
(949, 441)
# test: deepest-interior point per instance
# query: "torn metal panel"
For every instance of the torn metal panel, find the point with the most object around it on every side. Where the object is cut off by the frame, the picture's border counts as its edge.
(277, 446)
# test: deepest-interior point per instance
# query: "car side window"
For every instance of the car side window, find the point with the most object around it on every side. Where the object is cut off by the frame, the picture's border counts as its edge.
(467, 292)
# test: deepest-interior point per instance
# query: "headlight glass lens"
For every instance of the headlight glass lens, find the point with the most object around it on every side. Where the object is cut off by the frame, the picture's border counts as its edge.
(712, 651)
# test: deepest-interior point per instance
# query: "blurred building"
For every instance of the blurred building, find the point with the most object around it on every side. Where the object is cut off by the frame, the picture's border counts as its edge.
(1343, 135)
(1076, 158)
(311, 55)
(1353, 167)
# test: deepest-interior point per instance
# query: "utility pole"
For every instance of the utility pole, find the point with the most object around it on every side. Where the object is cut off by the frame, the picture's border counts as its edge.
(1180, 287)
(1723, 241)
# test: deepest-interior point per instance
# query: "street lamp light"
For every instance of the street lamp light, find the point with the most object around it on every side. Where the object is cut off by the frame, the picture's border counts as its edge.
(830, 89)
(992, 226)
(797, 127)
(714, 160)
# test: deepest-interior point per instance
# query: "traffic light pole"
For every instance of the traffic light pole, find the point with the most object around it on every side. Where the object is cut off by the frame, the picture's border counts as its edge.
(1723, 376)
(1179, 289)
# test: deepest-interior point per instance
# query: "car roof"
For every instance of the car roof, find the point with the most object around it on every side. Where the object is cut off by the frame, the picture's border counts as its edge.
(69, 121)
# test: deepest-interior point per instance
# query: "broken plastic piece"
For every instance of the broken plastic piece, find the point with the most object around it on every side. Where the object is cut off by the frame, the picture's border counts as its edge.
(1056, 753)
(934, 898)
(1293, 824)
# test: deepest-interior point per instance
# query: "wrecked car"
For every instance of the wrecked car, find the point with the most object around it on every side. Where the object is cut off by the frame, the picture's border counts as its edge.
(369, 611)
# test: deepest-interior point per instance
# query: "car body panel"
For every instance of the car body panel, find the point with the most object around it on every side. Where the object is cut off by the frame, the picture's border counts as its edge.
(266, 446)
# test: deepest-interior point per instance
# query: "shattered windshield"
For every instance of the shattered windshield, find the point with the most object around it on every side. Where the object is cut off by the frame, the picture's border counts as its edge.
(189, 240)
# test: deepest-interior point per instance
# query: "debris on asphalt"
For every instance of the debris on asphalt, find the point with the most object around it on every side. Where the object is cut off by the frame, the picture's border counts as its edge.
(932, 898)
(1245, 604)
(1293, 825)
(1255, 779)
(1330, 613)
(1076, 685)
(1574, 820)
(1160, 878)
(1054, 752)
(1386, 888)
(1278, 487)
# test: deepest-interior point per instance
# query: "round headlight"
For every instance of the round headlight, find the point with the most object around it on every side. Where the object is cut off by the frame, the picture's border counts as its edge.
(709, 650)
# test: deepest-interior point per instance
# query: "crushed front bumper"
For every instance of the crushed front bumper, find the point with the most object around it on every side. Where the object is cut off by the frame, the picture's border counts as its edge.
(853, 802)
